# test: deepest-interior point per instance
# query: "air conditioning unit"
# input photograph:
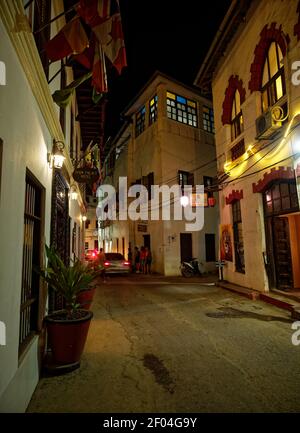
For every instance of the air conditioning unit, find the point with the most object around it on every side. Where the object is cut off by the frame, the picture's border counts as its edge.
(266, 126)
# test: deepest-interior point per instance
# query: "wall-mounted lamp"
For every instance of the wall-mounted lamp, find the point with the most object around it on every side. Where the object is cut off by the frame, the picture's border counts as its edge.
(73, 193)
(84, 218)
(56, 158)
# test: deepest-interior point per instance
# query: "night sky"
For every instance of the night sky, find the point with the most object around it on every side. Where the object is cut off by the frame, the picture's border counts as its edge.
(166, 35)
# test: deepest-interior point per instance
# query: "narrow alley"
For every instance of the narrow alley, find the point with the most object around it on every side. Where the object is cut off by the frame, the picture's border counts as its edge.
(159, 345)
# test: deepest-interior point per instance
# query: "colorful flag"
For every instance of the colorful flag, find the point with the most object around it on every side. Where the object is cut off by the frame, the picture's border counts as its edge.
(64, 96)
(71, 39)
(104, 17)
(99, 77)
(94, 12)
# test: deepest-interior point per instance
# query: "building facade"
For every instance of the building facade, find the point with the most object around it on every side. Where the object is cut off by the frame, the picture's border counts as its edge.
(168, 140)
(256, 97)
(36, 205)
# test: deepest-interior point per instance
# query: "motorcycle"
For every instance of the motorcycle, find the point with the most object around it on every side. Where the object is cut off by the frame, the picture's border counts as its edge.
(190, 268)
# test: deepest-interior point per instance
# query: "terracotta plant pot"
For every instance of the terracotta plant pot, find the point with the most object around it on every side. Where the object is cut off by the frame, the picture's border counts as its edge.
(85, 298)
(67, 337)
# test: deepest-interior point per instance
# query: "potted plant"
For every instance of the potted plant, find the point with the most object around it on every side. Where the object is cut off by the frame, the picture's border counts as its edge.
(85, 297)
(67, 329)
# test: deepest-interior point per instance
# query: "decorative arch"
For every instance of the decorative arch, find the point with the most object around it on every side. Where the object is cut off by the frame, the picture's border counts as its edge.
(297, 25)
(234, 83)
(234, 195)
(274, 174)
(267, 36)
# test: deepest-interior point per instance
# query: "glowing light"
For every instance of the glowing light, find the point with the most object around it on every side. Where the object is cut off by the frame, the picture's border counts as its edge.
(84, 218)
(184, 201)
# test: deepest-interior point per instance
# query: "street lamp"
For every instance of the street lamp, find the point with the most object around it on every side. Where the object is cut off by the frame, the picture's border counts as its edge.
(56, 158)
(73, 193)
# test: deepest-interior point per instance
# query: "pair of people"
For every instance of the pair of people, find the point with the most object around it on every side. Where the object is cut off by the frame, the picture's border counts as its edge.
(100, 262)
(142, 260)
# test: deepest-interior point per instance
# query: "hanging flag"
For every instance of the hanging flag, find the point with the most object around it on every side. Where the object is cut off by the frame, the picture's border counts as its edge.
(94, 12)
(104, 17)
(99, 77)
(86, 58)
(64, 96)
(71, 39)
(115, 49)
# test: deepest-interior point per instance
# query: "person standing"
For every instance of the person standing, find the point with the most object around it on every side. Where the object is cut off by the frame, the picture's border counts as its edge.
(148, 261)
(129, 256)
(136, 259)
(142, 259)
(100, 262)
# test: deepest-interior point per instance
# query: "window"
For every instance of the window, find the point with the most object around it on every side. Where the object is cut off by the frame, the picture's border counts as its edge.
(207, 183)
(140, 121)
(32, 250)
(182, 109)
(238, 237)
(153, 110)
(237, 123)
(208, 119)
(238, 150)
(185, 178)
(273, 82)
(86, 245)
(281, 197)
(210, 247)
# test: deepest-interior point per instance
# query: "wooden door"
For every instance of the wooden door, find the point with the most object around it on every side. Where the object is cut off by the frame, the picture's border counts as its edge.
(282, 253)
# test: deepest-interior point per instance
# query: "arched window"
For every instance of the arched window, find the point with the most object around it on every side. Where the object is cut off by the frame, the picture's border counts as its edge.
(273, 82)
(237, 123)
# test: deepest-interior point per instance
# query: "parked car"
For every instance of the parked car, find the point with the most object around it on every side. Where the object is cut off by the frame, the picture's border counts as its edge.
(91, 255)
(115, 263)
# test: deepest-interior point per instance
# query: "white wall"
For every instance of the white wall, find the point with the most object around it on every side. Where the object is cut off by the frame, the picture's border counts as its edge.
(26, 142)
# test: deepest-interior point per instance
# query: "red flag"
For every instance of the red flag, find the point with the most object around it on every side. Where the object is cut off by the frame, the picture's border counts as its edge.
(94, 12)
(71, 39)
(110, 34)
(99, 77)
(108, 29)
(87, 57)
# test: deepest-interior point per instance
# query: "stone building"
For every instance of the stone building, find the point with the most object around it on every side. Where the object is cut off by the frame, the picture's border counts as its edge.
(251, 72)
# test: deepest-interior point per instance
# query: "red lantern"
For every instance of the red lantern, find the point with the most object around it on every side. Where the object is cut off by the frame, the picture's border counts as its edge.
(211, 201)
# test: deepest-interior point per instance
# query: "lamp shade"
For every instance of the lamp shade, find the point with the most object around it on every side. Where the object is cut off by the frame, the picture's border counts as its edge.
(211, 201)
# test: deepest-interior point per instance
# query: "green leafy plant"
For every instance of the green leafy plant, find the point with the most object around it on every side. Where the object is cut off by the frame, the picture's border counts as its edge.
(67, 280)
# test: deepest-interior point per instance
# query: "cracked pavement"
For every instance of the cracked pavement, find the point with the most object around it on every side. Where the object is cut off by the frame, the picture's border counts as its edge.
(159, 344)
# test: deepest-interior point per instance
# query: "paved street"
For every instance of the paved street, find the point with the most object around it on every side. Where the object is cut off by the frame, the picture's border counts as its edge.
(160, 344)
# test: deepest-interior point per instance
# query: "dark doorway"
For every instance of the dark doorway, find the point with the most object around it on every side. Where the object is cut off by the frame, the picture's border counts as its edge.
(210, 247)
(281, 269)
(147, 242)
(186, 247)
(280, 198)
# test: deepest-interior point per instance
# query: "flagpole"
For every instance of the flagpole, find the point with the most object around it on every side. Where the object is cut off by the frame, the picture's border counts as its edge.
(56, 18)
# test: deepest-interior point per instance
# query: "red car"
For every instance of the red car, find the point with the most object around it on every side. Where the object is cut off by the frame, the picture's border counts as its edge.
(91, 255)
